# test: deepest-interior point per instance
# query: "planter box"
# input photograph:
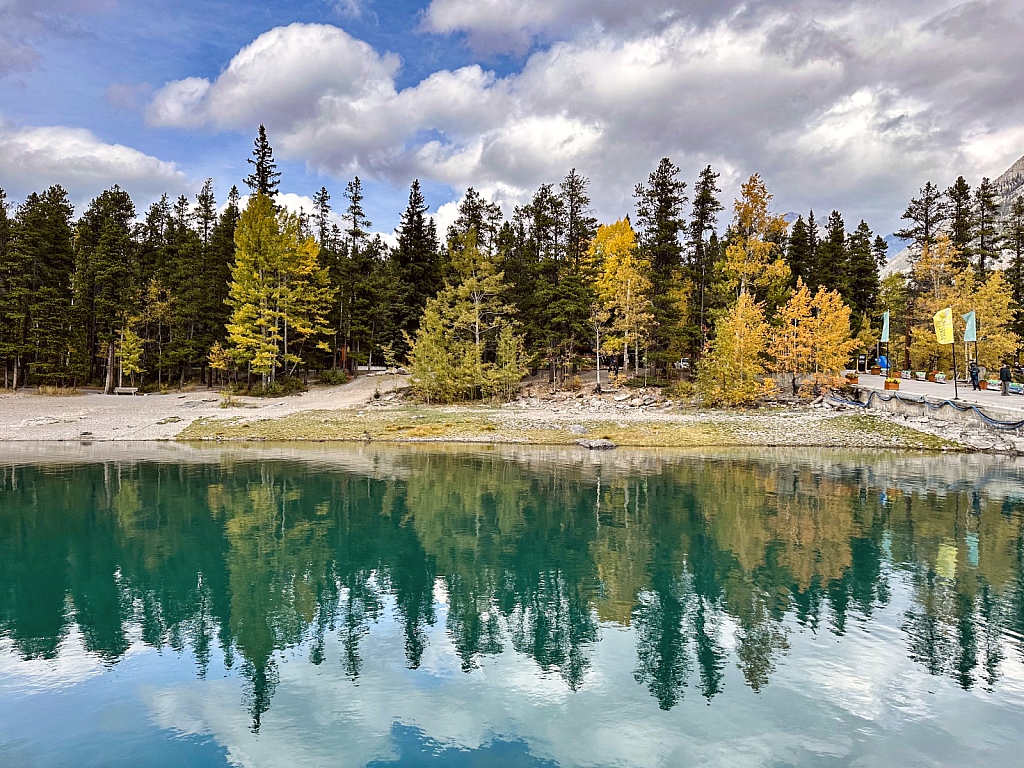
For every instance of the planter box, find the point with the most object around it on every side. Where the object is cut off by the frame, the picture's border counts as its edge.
(905, 375)
(921, 375)
(876, 371)
(983, 384)
(994, 383)
(1017, 389)
(892, 385)
(941, 378)
(852, 379)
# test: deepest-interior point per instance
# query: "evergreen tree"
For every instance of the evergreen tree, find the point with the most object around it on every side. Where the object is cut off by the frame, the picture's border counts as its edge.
(703, 221)
(476, 214)
(1014, 238)
(660, 220)
(832, 258)
(206, 213)
(799, 255)
(417, 267)
(580, 225)
(357, 225)
(321, 215)
(928, 213)
(880, 250)
(862, 274)
(961, 219)
(106, 285)
(987, 238)
(264, 178)
(36, 263)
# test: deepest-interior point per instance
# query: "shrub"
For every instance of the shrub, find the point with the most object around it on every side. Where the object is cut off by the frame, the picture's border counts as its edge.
(333, 377)
(284, 385)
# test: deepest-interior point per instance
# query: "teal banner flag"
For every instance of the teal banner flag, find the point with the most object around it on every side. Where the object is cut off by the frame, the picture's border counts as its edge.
(971, 331)
(885, 327)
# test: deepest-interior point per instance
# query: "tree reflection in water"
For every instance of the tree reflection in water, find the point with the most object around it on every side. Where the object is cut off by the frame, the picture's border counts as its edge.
(707, 561)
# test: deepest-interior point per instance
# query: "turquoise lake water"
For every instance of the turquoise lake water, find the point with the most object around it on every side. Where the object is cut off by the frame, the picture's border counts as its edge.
(428, 606)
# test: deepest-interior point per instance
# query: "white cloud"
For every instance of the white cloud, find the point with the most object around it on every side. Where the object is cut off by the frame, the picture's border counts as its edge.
(32, 158)
(805, 102)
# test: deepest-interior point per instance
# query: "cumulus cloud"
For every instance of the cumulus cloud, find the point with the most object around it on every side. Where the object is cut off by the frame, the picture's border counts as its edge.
(837, 107)
(32, 158)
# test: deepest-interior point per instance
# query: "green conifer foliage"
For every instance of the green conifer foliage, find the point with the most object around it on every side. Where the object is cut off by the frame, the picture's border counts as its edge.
(987, 237)
(862, 275)
(799, 252)
(701, 261)
(660, 221)
(961, 220)
(265, 177)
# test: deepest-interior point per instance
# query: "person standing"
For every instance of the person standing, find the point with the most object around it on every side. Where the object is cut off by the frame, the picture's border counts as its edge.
(1004, 380)
(975, 372)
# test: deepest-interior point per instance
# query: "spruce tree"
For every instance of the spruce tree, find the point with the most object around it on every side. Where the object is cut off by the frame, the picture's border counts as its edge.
(703, 221)
(264, 178)
(580, 225)
(321, 216)
(862, 273)
(476, 214)
(1014, 238)
(417, 268)
(799, 252)
(357, 225)
(106, 281)
(660, 220)
(832, 261)
(206, 212)
(880, 249)
(961, 219)
(987, 238)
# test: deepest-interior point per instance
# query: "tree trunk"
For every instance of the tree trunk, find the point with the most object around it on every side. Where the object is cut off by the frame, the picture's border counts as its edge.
(108, 387)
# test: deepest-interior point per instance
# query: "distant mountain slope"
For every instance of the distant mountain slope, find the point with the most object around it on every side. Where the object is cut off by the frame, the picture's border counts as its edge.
(1009, 186)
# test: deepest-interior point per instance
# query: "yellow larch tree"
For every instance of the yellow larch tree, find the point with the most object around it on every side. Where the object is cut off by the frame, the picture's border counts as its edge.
(813, 338)
(732, 372)
(622, 286)
(753, 258)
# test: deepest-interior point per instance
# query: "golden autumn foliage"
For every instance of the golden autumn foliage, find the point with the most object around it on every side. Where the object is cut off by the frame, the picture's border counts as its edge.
(943, 285)
(814, 337)
(753, 259)
(732, 372)
(623, 289)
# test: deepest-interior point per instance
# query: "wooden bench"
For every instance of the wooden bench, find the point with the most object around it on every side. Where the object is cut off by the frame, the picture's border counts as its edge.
(126, 390)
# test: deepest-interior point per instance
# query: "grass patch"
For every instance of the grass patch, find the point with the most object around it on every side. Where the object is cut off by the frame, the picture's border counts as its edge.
(52, 391)
(170, 420)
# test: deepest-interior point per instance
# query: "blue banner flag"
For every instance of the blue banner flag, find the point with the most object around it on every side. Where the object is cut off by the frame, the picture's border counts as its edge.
(885, 327)
(971, 331)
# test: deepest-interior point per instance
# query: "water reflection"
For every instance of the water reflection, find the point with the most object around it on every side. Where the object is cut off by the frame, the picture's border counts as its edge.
(708, 561)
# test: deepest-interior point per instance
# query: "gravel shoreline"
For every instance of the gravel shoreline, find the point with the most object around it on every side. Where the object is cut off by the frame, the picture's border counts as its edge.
(637, 418)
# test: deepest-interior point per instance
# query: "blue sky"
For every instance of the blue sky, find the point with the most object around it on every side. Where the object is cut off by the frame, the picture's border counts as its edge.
(837, 104)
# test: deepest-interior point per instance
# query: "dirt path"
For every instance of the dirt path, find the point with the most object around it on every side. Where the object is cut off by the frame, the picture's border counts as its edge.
(27, 416)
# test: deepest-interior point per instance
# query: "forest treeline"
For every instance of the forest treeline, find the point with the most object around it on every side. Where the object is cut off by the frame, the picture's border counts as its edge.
(193, 290)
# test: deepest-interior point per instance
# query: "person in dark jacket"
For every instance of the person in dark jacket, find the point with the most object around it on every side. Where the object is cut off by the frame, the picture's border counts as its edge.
(1004, 380)
(975, 372)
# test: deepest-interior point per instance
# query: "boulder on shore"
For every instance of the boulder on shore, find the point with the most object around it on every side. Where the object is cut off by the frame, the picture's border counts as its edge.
(597, 445)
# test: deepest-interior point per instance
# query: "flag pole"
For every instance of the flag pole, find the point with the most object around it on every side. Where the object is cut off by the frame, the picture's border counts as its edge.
(956, 391)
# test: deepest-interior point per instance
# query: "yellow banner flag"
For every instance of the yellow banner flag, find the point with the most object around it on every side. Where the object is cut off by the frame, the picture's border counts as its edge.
(944, 326)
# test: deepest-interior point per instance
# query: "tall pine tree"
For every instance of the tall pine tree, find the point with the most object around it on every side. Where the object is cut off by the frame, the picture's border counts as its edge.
(265, 177)
(660, 222)
(701, 266)
(961, 219)
(987, 237)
